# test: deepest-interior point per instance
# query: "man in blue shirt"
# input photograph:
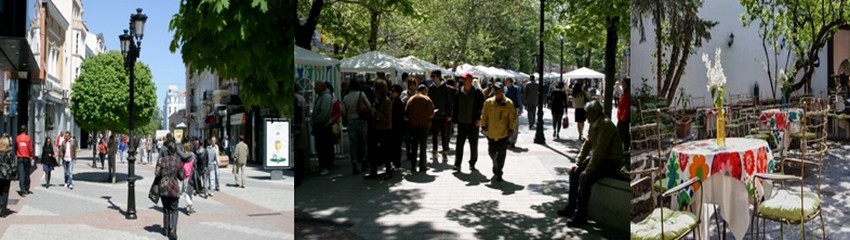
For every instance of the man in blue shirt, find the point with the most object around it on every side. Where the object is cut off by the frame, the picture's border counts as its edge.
(513, 93)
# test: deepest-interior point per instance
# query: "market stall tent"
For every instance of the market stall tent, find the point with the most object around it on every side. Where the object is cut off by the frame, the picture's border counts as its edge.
(425, 65)
(584, 73)
(466, 68)
(307, 57)
(377, 62)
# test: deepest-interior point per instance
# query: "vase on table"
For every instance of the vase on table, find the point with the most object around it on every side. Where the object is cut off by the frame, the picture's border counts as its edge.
(721, 127)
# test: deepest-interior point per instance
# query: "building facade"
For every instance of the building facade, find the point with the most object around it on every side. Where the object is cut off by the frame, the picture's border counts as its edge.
(175, 100)
(213, 108)
(742, 57)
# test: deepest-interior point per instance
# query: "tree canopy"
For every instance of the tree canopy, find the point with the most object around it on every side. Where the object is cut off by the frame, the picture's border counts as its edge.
(805, 25)
(100, 94)
(499, 33)
(154, 124)
(247, 41)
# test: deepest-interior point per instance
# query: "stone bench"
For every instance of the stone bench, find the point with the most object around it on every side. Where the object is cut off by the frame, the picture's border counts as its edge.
(610, 203)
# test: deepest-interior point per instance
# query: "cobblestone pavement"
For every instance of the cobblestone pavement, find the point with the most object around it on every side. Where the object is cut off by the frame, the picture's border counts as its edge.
(94, 208)
(443, 204)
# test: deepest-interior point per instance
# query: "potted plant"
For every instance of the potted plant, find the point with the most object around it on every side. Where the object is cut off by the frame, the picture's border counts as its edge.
(684, 120)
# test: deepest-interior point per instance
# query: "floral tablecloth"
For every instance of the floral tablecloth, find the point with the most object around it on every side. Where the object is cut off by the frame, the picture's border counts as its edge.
(782, 123)
(740, 159)
(727, 172)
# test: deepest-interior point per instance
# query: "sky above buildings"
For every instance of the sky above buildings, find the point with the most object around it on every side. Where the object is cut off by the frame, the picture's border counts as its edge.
(111, 17)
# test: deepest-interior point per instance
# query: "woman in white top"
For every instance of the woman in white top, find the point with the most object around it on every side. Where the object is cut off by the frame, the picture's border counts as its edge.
(580, 97)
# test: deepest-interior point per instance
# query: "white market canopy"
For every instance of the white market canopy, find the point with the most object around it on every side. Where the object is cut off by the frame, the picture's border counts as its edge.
(425, 65)
(307, 57)
(584, 73)
(475, 71)
(377, 62)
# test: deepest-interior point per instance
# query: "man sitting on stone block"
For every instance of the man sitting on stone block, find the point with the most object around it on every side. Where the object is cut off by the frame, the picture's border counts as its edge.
(606, 157)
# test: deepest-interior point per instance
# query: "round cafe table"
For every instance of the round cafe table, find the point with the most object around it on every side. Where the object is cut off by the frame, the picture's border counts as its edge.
(782, 123)
(736, 164)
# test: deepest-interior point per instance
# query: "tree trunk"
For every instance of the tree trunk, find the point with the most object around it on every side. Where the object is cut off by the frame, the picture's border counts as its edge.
(684, 44)
(610, 62)
(588, 57)
(304, 33)
(658, 49)
(373, 30)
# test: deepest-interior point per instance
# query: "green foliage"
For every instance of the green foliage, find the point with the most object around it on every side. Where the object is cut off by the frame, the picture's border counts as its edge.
(243, 40)
(154, 124)
(807, 25)
(101, 93)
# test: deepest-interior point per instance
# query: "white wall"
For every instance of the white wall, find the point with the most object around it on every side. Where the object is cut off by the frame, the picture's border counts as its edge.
(742, 62)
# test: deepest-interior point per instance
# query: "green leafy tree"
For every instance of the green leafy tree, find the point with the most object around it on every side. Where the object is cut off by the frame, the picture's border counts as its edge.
(591, 18)
(305, 29)
(247, 41)
(679, 31)
(100, 94)
(807, 26)
(154, 124)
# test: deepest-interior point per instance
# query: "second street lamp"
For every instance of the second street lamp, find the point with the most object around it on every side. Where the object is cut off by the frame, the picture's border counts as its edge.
(538, 137)
(131, 43)
(561, 72)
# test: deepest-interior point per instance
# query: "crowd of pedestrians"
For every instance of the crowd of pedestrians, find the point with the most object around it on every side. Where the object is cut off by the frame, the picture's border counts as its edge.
(381, 118)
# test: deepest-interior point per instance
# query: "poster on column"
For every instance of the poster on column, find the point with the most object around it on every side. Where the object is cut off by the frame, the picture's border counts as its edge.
(278, 146)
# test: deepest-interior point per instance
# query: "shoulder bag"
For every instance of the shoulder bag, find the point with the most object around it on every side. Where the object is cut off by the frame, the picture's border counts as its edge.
(364, 111)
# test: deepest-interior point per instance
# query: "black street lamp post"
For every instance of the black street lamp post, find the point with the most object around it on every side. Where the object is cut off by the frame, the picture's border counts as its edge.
(131, 49)
(538, 137)
(561, 73)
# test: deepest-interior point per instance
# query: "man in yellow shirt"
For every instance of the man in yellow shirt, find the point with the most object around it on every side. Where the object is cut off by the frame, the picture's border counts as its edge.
(498, 123)
(605, 148)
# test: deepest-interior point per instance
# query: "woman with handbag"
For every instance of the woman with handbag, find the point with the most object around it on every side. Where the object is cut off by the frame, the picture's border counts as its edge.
(169, 172)
(48, 160)
(558, 105)
(188, 187)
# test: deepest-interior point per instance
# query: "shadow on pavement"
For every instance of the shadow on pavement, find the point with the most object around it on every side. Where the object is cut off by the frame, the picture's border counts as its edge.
(420, 177)
(103, 177)
(364, 203)
(571, 158)
(555, 188)
(492, 223)
(506, 187)
(112, 204)
(156, 228)
(473, 178)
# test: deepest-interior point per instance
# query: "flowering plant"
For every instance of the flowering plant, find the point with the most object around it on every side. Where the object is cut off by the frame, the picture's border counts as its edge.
(716, 78)
(785, 81)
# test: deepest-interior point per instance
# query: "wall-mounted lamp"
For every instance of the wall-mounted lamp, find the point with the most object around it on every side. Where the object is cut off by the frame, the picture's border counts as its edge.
(731, 39)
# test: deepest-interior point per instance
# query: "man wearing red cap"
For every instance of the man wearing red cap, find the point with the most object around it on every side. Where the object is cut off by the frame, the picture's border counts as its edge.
(466, 114)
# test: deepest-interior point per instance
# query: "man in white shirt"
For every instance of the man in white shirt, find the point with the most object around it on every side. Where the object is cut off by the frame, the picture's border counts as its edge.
(69, 156)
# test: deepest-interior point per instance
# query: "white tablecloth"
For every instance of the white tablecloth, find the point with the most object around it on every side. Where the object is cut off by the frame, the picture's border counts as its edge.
(730, 196)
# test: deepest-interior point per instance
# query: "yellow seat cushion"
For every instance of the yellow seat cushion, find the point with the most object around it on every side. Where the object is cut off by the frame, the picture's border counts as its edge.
(661, 184)
(806, 135)
(786, 204)
(676, 224)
